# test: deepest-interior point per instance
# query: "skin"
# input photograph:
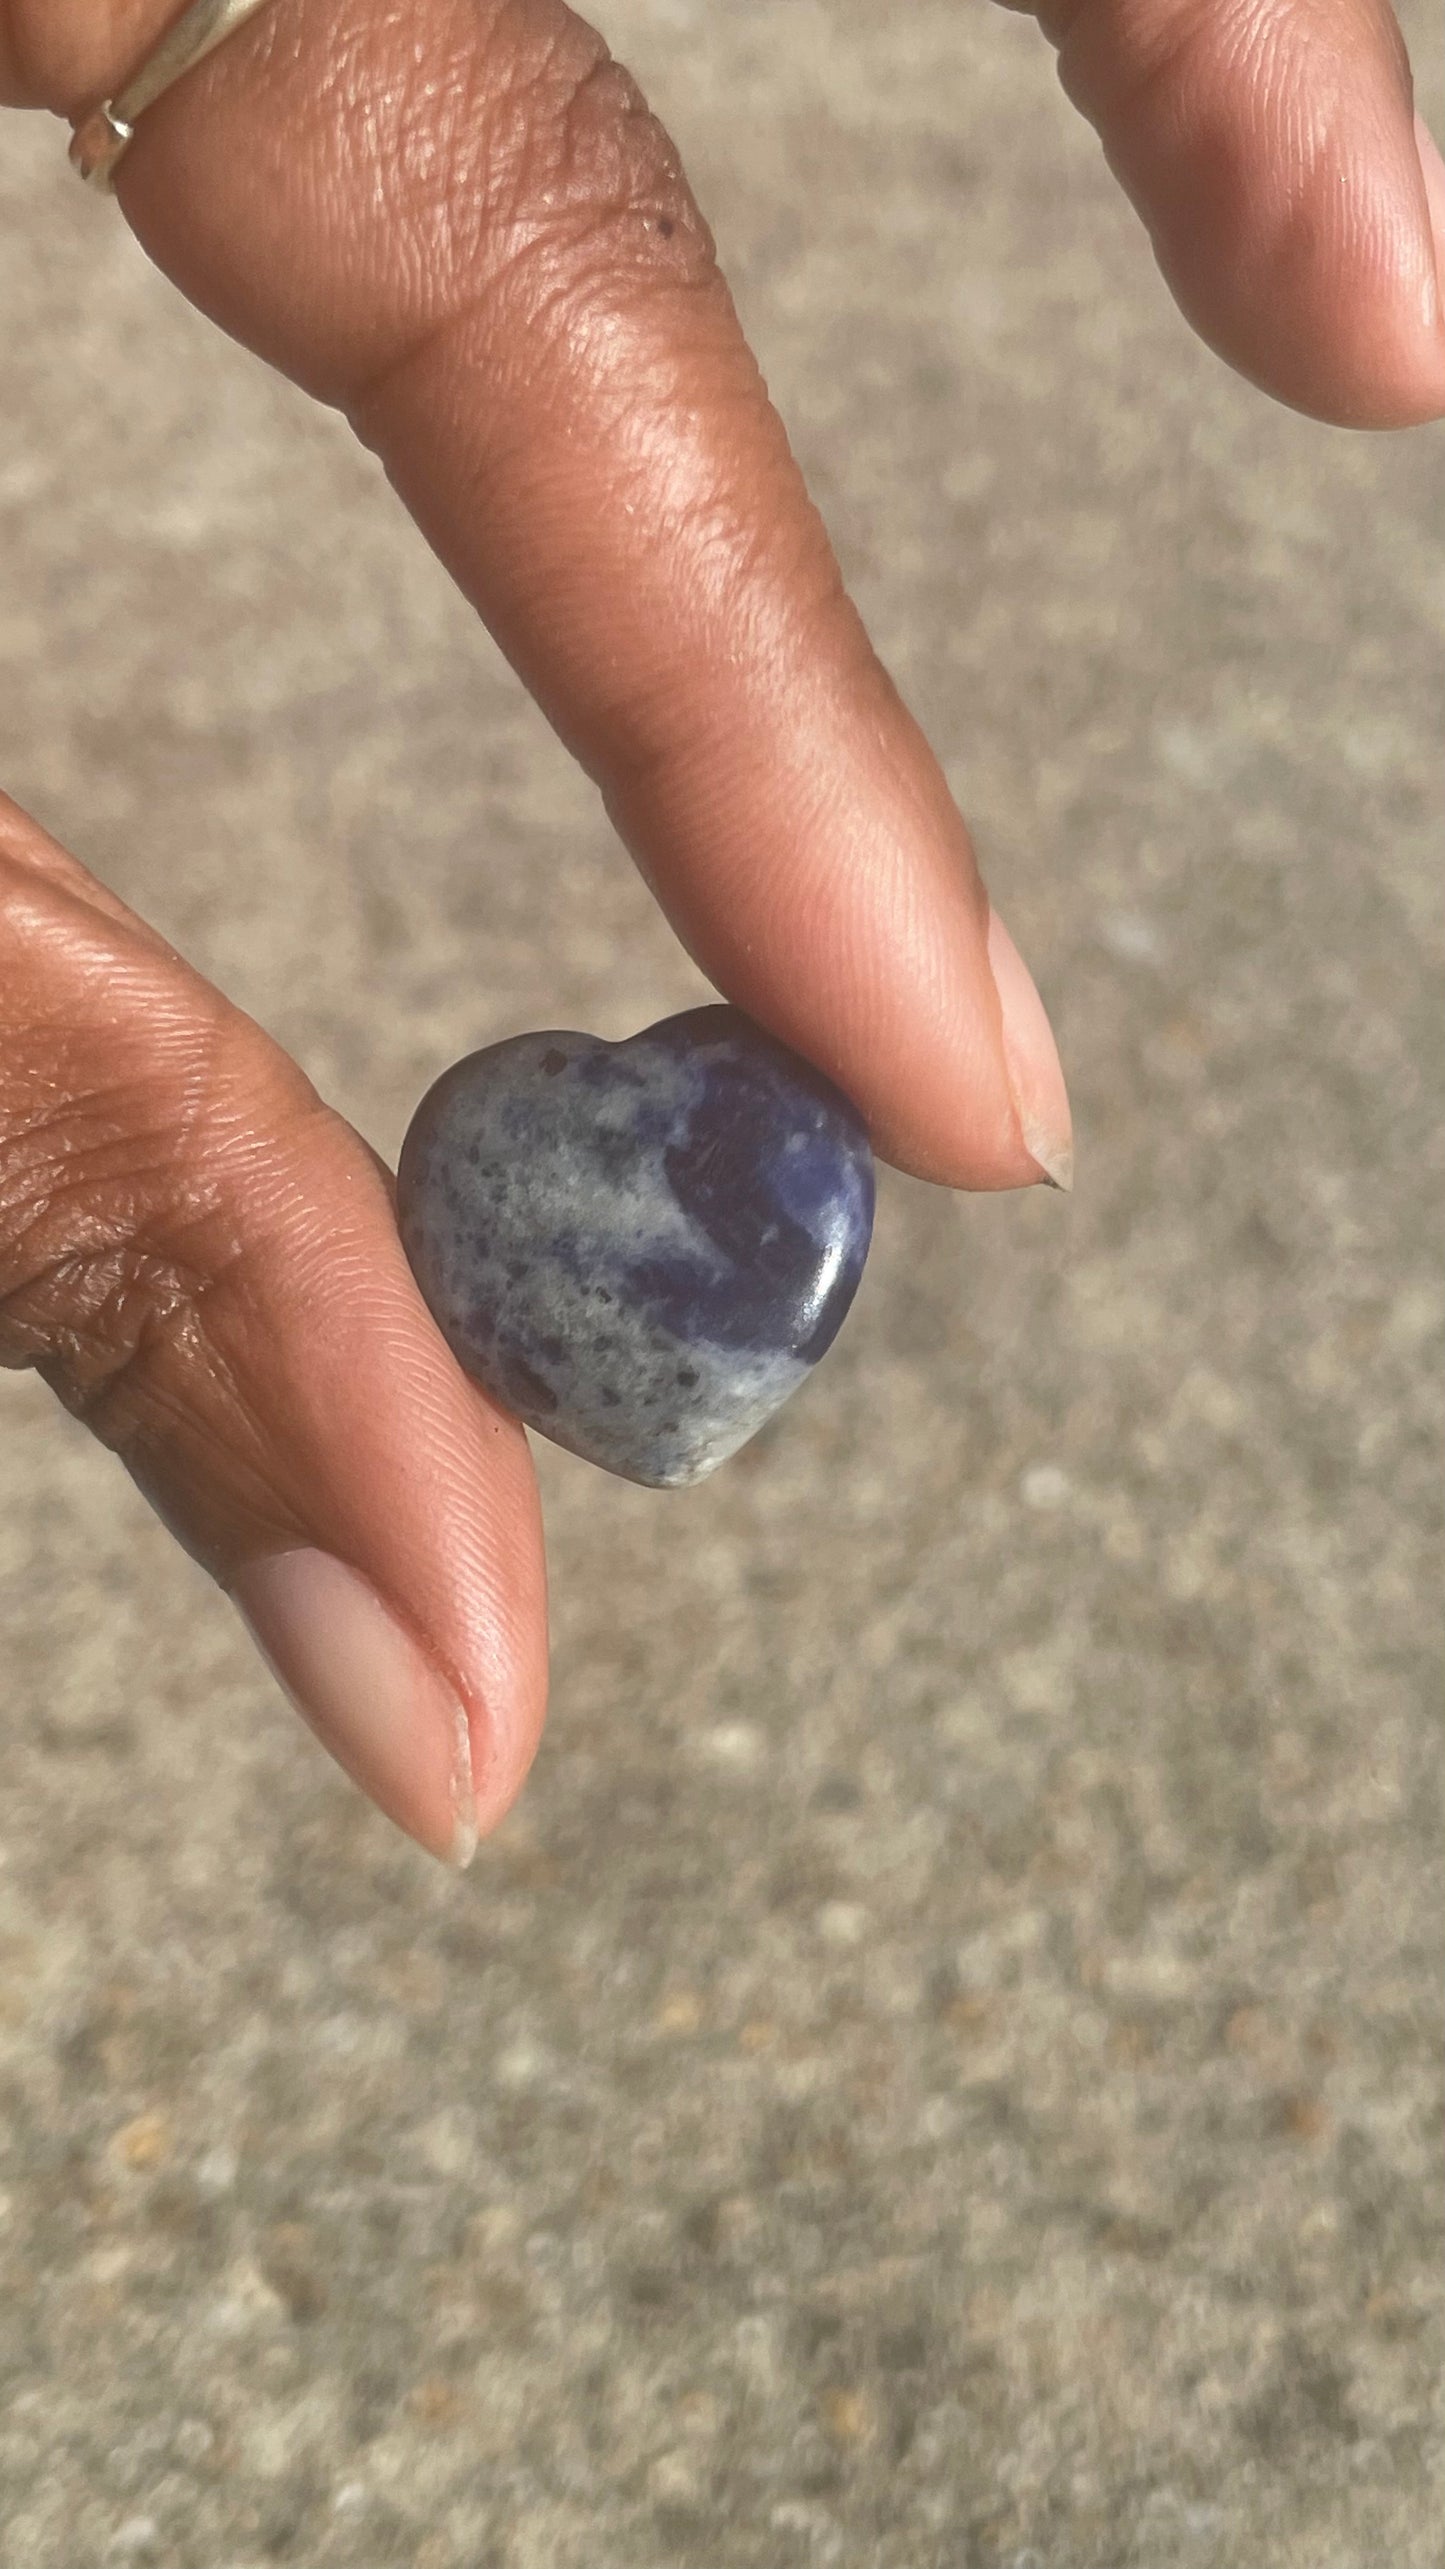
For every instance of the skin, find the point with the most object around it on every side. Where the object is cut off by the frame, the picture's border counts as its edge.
(457, 221)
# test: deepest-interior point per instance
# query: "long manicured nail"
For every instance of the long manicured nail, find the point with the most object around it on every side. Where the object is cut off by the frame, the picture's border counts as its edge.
(1432, 170)
(368, 1691)
(1035, 1073)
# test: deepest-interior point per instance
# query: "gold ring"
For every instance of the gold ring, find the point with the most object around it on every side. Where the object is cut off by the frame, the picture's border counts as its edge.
(103, 135)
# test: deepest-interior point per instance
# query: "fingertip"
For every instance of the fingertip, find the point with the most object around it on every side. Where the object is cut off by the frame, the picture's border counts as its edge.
(370, 1692)
(446, 1771)
(407, 1623)
(1432, 172)
(1295, 214)
(1035, 1072)
(983, 1108)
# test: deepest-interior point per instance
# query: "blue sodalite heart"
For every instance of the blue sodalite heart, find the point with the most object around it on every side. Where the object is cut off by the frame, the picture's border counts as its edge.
(642, 1248)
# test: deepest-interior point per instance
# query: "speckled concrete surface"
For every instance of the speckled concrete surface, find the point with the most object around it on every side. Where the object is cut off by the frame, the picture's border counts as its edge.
(942, 2071)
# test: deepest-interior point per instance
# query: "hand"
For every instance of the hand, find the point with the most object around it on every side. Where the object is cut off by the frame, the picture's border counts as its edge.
(457, 221)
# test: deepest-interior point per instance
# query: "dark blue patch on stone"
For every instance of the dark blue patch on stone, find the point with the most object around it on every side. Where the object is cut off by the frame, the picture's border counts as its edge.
(641, 1248)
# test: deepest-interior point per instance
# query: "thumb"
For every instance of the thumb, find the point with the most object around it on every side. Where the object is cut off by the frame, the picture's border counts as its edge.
(201, 1259)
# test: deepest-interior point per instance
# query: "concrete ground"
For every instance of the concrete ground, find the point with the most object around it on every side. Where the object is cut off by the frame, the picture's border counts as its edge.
(942, 2071)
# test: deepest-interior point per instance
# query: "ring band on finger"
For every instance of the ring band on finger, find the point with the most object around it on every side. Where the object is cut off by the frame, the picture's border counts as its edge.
(104, 134)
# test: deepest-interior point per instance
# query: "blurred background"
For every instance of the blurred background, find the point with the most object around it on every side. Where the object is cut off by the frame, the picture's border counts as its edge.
(941, 2070)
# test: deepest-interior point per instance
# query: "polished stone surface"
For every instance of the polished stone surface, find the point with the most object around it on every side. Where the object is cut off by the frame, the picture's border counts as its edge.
(641, 1248)
(942, 2069)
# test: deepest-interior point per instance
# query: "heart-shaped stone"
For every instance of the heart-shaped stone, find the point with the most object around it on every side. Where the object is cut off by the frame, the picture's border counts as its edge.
(641, 1248)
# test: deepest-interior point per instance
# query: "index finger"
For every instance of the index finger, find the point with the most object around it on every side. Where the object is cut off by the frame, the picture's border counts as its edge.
(459, 223)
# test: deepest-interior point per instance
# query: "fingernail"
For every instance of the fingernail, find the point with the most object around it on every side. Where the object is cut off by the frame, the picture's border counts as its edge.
(1035, 1073)
(1432, 170)
(368, 1691)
